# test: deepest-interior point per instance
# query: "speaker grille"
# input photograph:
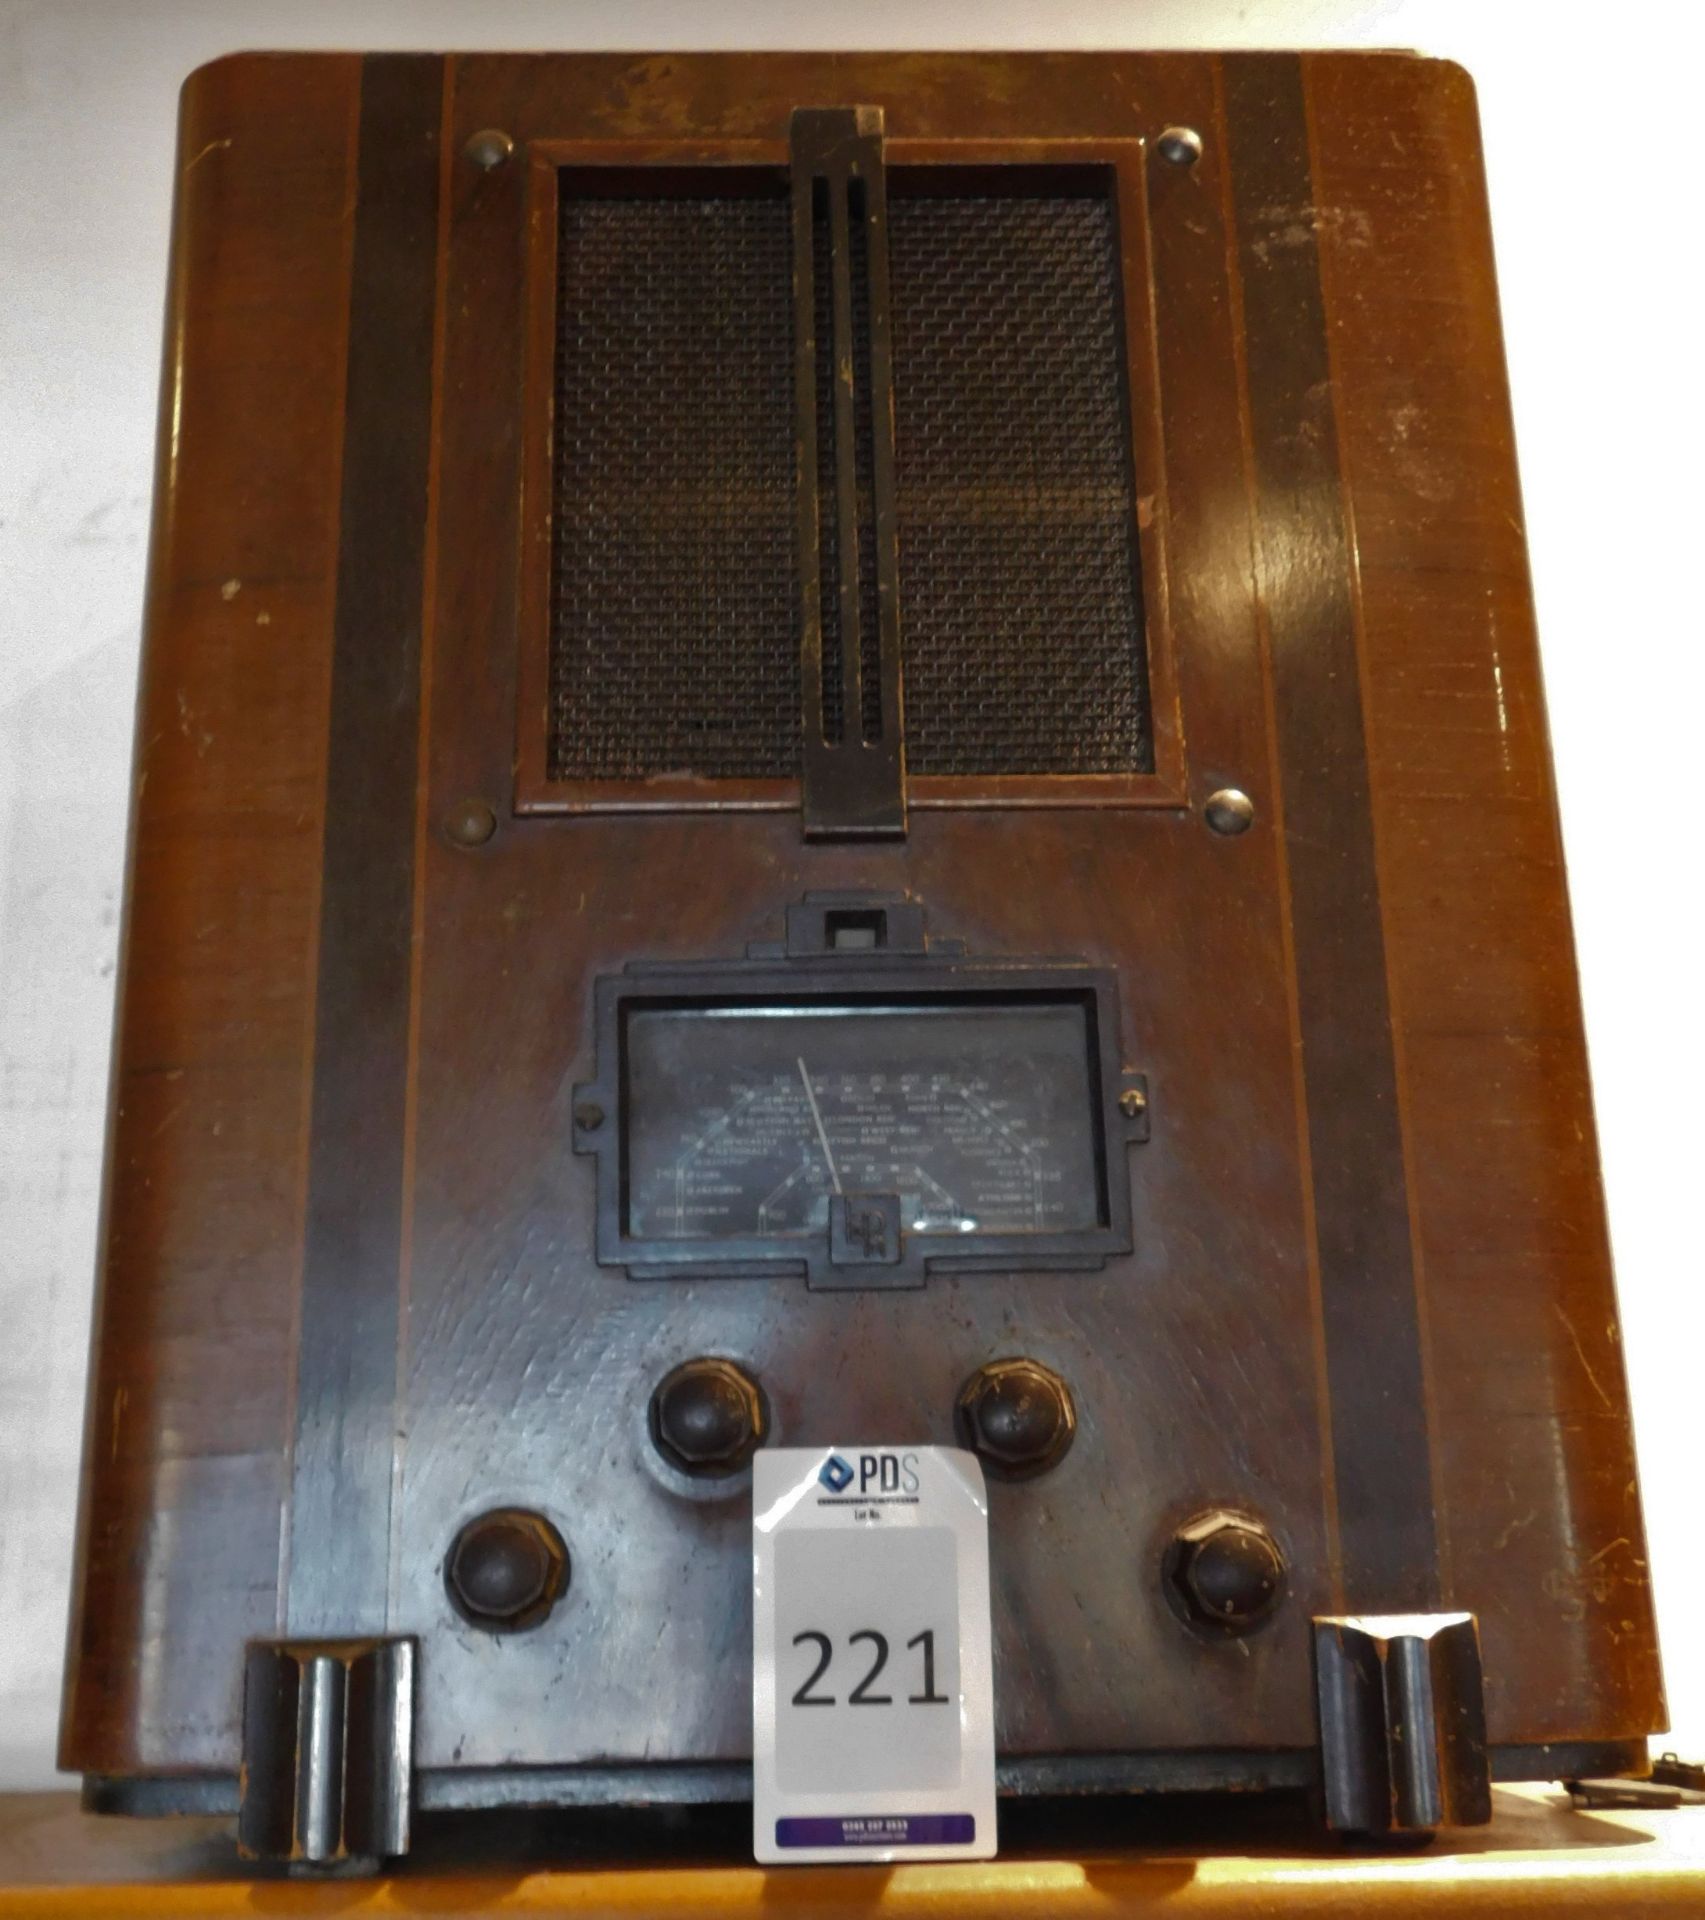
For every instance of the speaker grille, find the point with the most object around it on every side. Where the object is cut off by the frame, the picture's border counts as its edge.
(674, 638)
(672, 643)
(1020, 611)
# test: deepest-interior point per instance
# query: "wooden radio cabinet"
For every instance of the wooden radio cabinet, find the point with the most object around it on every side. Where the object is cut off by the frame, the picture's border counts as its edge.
(1003, 575)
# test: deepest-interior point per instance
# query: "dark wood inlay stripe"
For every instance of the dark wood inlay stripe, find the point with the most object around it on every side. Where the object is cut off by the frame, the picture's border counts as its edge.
(1367, 1281)
(346, 1355)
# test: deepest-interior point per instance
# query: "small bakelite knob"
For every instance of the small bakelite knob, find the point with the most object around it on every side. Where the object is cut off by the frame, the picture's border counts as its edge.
(1225, 1571)
(506, 1569)
(708, 1417)
(1017, 1415)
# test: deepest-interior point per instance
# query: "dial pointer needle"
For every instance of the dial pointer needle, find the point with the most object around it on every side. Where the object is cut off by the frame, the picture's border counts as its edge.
(822, 1131)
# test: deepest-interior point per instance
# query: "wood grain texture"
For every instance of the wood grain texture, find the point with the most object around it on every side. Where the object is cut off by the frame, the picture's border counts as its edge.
(1147, 1859)
(1223, 1361)
(529, 1369)
(340, 1498)
(1535, 1474)
(1370, 1314)
(1538, 1858)
(187, 1455)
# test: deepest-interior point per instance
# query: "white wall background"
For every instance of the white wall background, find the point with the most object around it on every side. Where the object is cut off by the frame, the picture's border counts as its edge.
(1592, 139)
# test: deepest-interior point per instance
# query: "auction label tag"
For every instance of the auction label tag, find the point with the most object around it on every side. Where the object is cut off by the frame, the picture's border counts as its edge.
(873, 1730)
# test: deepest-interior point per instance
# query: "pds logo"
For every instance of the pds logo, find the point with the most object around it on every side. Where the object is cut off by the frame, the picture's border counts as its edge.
(875, 1473)
(835, 1474)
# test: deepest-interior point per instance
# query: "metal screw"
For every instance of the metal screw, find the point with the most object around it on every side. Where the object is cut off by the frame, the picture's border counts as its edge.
(708, 1417)
(506, 1569)
(1229, 811)
(1225, 1571)
(1133, 1103)
(1179, 146)
(489, 148)
(470, 823)
(1018, 1415)
(589, 1116)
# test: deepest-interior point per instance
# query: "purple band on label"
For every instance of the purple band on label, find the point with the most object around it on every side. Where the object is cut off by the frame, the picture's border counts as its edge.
(879, 1830)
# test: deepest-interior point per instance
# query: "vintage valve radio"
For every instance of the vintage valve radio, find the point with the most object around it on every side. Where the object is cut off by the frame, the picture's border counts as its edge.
(843, 745)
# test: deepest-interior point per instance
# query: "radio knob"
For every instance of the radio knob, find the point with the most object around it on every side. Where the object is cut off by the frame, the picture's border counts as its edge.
(1017, 1415)
(506, 1569)
(1225, 1570)
(708, 1417)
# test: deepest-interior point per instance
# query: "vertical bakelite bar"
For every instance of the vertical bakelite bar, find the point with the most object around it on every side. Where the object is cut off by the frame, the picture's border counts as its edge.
(852, 748)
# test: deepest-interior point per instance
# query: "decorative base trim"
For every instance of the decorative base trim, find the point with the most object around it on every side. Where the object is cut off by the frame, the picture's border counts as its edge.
(328, 1751)
(1402, 1722)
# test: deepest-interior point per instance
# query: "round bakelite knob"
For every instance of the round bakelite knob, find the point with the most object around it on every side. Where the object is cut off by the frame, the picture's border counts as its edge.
(506, 1569)
(1225, 1571)
(708, 1417)
(1017, 1416)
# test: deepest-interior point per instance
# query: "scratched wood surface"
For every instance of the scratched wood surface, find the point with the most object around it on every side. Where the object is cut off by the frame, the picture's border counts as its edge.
(1371, 1162)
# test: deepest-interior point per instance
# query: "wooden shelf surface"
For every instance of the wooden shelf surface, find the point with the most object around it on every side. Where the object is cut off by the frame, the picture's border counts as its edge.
(1539, 1857)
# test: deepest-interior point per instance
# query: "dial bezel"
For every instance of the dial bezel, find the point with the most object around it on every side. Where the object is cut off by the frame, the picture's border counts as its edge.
(860, 980)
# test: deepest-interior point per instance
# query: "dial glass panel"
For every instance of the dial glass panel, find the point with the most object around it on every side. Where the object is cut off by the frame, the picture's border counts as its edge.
(742, 1120)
